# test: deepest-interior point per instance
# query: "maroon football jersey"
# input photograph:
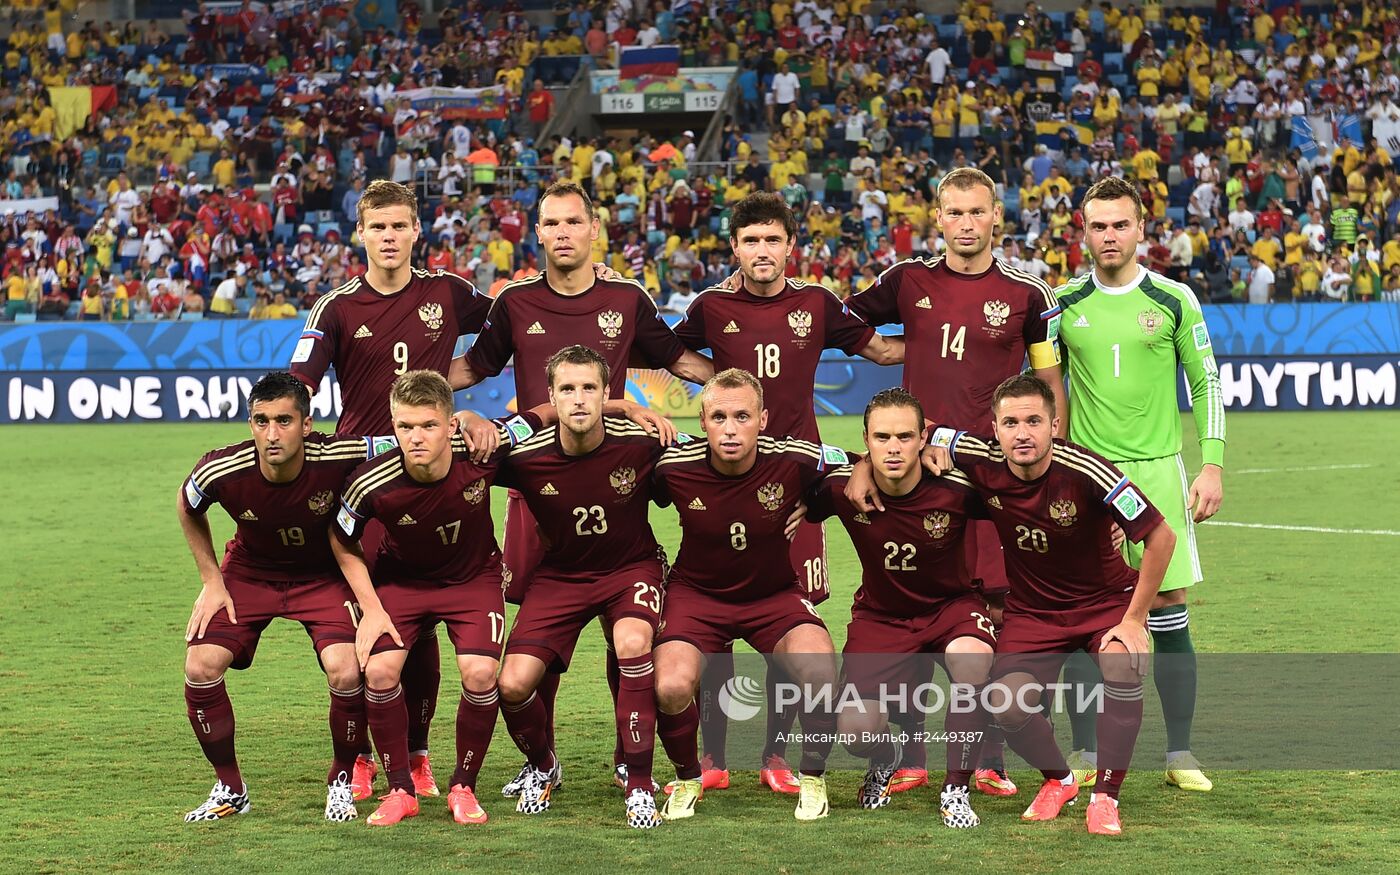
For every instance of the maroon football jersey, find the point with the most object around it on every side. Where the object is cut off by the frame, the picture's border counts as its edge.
(732, 542)
(911, 553)
(371, 338)
(964, 333)
(591, 509)
(779, 340)
(1055, 530)
(281, 532)
(532, 322)
(436, 533)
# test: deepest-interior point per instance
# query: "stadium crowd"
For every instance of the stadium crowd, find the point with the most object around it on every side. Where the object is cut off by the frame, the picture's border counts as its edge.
(195, 193)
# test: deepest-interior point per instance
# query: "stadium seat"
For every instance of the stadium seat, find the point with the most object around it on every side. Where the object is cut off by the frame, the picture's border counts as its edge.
(199, 164)
(243, 305)
(326, 227)
(191, 317)
(25, 318)
(1177, 215)
(1113, 62)
(235, 113)
(284, 233)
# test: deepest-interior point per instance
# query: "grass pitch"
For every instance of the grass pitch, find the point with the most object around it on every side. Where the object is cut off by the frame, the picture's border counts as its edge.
(97, 586)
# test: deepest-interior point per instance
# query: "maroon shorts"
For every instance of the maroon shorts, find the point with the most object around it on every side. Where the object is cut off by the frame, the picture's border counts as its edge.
(523, 549)
(475, 614)
(711, 623)
(984, 560)
(881, 649)
(325, 607)
(547, 626)
(807, 551)
(1038, 643)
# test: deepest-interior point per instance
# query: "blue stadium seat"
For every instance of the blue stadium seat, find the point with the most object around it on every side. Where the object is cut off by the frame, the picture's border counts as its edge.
(73, 308)
(1119, 80)
(1177, 215)
(199, 163)
(268, 90)
(191, 317)
(284, 233)
(326, 227)
(235, 113)
(242, 305)
(113, 162)
(1113, 62)
(25, 318)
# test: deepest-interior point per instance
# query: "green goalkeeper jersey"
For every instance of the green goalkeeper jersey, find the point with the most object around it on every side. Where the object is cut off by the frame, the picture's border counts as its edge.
(1122, 347)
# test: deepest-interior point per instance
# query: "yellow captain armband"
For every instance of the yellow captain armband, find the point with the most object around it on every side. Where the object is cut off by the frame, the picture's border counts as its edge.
(1045, 354)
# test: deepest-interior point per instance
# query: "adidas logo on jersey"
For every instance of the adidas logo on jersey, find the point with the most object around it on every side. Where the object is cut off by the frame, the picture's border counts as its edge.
(731, 328)
(407, 520)
(548, 489)
(994, 502)
(248, 515)
(862, 518)
(362, 332)
(1081, 322)
(535, 328)
(696, 504)
(924, 303)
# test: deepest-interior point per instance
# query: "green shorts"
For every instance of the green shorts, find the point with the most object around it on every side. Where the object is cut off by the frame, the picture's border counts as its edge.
(1164, 483)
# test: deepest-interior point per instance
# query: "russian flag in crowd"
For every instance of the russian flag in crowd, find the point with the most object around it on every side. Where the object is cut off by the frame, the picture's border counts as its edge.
(636, 62)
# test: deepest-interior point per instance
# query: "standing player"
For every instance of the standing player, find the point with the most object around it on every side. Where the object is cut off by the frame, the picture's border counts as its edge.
(915, 598)
(438, 562)
(733, 579)
(1054, 506)
(373, 329)
(587, 483)
(778, 328)
(279, 488)
(1126, 330)
(970, 320)
(529, 322)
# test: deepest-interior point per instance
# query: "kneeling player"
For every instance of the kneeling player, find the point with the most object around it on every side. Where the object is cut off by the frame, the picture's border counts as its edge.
(280, 489)
(915, 597)
(733, 579)
(1054, 505)
(587, 484)
(438, 562)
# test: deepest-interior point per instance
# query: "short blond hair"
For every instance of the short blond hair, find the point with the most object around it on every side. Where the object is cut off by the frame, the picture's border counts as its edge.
(421, 389)
(731, 378)
(386, 193)
(965, 179)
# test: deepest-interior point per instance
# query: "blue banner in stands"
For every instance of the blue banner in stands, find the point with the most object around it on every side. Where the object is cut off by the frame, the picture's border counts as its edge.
(1276, 357)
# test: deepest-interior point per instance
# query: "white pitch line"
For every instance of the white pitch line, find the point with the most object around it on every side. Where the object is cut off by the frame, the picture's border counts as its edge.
(1301, 468)
(1323, 530)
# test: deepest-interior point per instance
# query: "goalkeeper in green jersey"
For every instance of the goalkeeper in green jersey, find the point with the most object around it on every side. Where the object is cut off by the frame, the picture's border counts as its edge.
(1124, 330)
